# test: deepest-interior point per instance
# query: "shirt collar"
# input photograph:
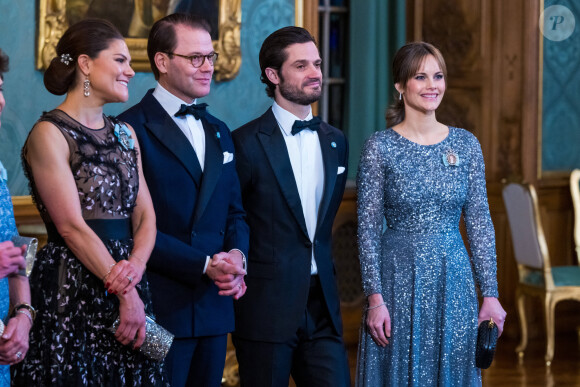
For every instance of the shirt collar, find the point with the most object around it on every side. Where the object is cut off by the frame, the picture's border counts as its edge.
(168, 101)
(286, 119)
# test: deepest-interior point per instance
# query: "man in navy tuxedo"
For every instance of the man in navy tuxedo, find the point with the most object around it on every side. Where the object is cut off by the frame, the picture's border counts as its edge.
(198, 263)
(292, 171)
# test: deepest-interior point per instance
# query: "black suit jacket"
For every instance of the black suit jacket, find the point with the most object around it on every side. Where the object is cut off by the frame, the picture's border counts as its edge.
(280, 249)
(197, 215)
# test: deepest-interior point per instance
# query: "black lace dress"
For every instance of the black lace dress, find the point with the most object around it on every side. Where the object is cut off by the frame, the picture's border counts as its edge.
(69, 342)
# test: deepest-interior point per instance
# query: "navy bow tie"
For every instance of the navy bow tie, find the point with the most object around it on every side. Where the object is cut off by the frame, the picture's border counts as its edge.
(313, 124)
(197, 110)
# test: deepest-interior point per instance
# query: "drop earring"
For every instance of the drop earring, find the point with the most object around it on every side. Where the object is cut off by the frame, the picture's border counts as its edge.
(400, 96)
(86, 85)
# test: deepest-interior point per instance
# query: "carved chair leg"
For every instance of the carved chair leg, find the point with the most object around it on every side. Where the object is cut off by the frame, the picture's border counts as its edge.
(549, 307)
(523, 323)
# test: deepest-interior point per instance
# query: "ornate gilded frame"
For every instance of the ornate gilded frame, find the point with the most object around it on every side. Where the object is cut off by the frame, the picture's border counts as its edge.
(52, 23)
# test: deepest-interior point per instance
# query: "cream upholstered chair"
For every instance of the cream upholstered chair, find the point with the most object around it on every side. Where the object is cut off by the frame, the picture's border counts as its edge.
(537, 277)
(575, 191)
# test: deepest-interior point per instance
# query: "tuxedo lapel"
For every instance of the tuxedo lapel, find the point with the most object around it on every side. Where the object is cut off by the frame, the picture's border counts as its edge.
(330, 161)
(272, 140)
(162, 126)
(212, 169)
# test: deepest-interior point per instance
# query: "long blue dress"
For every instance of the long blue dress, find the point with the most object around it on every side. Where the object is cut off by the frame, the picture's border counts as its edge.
(419, 263)
(7, 231)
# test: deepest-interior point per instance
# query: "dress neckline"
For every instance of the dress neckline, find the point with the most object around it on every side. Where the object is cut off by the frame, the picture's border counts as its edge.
(405, 139)
(105, 120)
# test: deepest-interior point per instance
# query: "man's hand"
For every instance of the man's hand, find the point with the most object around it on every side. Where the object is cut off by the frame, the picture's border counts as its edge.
(226, 271)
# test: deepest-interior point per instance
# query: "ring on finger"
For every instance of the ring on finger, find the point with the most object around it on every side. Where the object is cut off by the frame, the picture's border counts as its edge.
(130, 279)
(18, 355)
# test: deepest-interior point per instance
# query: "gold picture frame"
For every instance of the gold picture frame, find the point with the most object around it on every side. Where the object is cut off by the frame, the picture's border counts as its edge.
(52, 22)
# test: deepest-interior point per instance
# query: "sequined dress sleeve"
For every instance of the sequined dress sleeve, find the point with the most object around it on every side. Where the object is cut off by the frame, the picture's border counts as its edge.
(371, 195)
(480, 230)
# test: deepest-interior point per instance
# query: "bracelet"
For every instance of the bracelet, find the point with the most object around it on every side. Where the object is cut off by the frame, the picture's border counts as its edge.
(27, 314)
(109, 272)
(376, 306)
(25, 306)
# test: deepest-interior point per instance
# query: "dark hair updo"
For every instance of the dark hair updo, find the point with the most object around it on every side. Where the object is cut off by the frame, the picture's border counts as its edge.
(89, 37)
(406, 63)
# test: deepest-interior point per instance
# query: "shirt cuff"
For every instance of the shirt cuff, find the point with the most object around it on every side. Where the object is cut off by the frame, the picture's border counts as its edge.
(244, 260)
(207, 259)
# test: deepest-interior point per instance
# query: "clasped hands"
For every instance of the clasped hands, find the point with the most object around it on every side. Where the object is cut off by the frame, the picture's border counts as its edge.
(124, 275)
(227, 272)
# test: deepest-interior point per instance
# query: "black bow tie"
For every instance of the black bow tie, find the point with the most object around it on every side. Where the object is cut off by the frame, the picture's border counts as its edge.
(313, 124)
(197, 110)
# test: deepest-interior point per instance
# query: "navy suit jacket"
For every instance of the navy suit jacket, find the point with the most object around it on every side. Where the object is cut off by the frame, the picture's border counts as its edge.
(198, 214)
(280, 249)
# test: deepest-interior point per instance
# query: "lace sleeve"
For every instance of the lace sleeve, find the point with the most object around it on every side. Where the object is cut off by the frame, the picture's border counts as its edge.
(480, 230)
(370, 208)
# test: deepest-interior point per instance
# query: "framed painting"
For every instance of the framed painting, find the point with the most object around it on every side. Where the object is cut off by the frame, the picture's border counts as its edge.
(134, 19)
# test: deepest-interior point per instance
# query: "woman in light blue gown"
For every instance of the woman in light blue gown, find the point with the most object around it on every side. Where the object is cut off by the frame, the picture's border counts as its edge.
(421, 176)
(15, 328)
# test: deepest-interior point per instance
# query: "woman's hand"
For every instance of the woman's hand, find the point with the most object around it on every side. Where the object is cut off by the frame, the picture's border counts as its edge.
(492, 308)
(132, 325)
(378, 320)
(11, 258)
(123, 277)
(14, 341)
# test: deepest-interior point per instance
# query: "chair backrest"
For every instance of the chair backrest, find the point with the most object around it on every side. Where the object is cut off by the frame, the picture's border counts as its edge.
(575, 191)
(529, 243)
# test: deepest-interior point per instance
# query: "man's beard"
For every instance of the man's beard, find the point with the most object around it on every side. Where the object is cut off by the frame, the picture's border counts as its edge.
(296, 95)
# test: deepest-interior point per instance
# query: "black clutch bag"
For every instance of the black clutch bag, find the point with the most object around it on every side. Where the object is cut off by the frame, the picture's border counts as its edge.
(486, 342)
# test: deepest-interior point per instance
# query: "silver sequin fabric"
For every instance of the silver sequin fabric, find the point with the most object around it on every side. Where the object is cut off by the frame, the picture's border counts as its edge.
(410, 201)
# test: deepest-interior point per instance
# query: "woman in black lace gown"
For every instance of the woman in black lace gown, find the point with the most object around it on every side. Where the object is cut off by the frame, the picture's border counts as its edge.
(84, 172)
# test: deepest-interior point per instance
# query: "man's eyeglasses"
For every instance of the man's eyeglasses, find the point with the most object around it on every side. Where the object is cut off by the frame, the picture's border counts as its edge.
(198, 60)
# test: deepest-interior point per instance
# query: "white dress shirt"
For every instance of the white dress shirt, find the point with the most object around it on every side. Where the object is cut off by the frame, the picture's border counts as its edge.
(192, 128)
(306, 159)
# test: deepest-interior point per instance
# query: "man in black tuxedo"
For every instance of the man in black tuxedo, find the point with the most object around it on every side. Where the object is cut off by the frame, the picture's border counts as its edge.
(197, 265)
(292, 171)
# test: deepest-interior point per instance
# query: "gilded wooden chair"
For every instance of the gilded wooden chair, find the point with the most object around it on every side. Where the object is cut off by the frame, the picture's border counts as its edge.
(537, 277)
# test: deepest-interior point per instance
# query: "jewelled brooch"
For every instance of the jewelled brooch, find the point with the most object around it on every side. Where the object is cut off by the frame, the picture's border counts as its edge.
(124, 136)
(450, 158)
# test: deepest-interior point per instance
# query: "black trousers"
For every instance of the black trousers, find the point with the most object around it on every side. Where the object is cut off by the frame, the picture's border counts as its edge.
(314, 356)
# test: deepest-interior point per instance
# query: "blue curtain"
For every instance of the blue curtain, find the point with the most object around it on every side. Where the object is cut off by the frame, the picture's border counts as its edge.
(377, 30)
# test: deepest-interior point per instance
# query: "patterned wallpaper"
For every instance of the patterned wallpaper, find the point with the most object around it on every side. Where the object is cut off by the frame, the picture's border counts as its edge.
(561, 98)
(235, 102)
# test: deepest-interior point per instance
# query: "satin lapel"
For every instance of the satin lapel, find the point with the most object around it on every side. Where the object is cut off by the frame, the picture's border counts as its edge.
(212, 169)
(274, 145)
(169, 134)
(330, 161)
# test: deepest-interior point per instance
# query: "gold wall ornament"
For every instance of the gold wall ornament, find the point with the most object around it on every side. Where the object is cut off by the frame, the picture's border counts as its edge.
(52, 22)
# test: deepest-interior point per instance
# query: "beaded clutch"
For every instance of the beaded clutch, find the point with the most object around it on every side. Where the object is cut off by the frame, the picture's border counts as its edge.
(486, 343)
(157, 339)
(31, 247)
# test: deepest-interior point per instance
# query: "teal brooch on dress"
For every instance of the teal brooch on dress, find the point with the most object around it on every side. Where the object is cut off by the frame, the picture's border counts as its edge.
(450, 158)
(3, 173)
(124, 135)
